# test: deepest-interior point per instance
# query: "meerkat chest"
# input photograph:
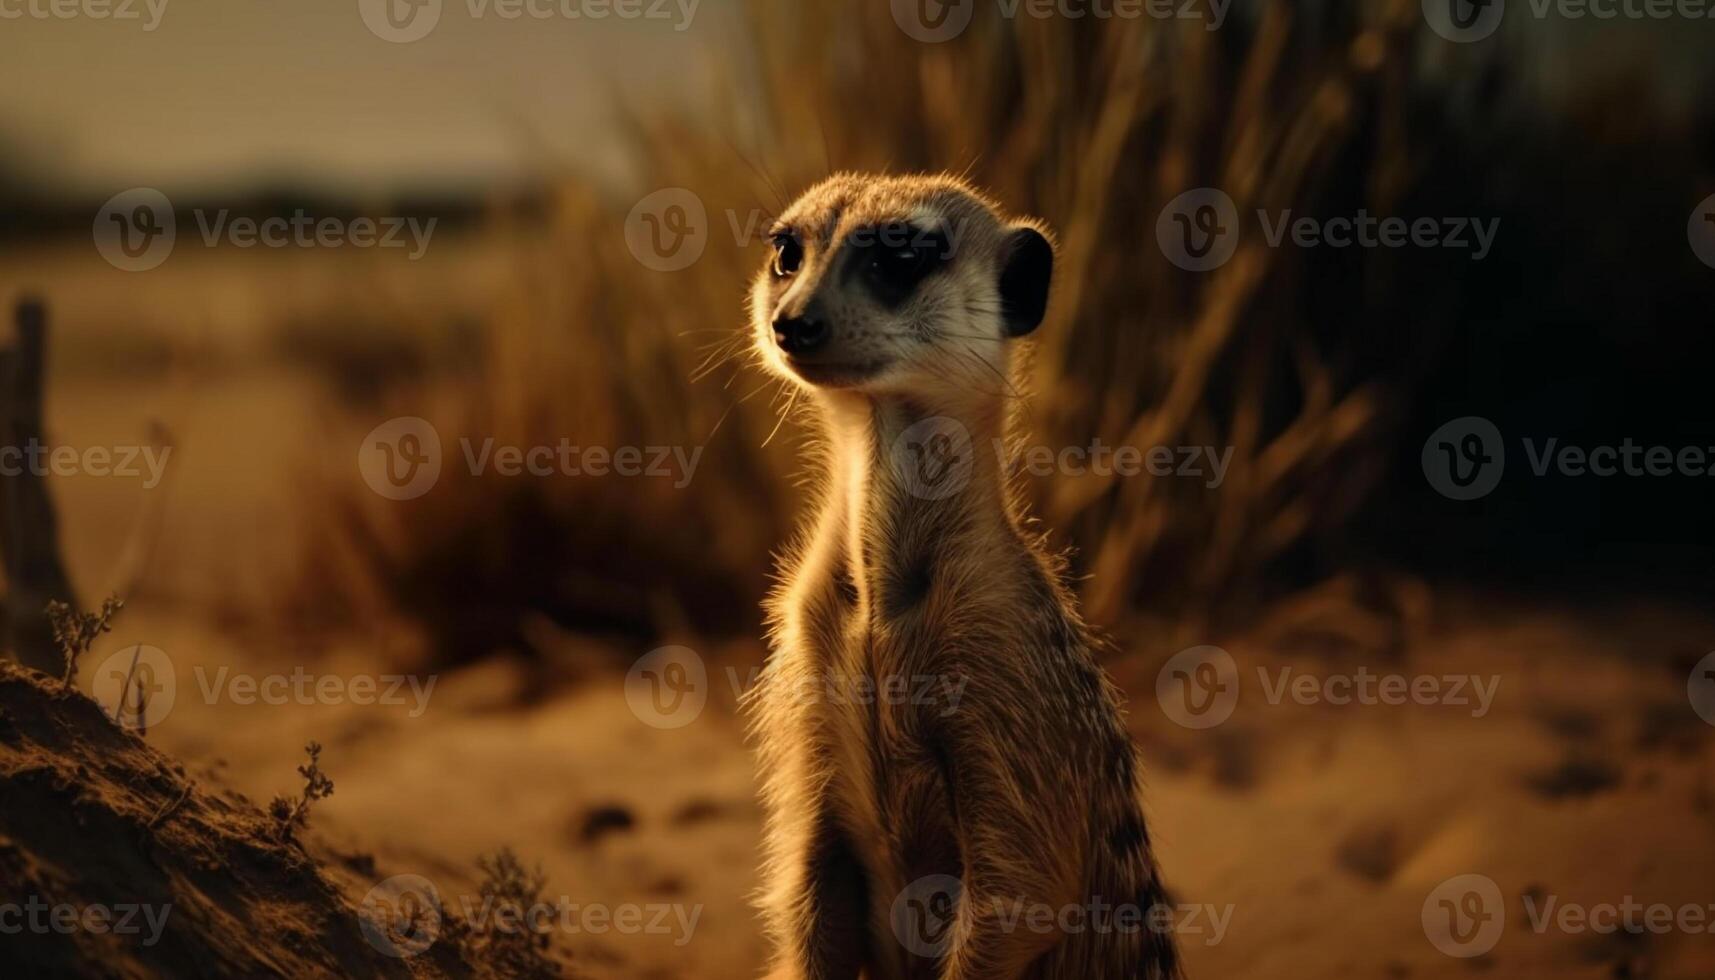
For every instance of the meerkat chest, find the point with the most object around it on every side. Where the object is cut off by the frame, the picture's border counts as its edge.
(868, 686)
(877, 672)
(861, 685)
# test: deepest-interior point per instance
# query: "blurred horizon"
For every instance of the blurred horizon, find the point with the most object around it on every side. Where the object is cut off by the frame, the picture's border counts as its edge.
(218, 101)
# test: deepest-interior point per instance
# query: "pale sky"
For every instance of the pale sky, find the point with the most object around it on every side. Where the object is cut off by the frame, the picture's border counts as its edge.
(303, 90)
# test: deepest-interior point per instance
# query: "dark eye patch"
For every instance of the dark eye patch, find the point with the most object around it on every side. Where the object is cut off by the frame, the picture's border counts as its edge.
(892, 259)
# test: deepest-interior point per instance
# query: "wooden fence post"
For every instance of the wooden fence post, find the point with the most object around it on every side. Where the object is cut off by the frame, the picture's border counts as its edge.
(29, 528)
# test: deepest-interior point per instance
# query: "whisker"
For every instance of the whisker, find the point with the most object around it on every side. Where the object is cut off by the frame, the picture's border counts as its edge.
(758, 388)
(706, 369)
(783, 413)
(720, 421)
(1007, 390)
(767, 183)
(722, 353)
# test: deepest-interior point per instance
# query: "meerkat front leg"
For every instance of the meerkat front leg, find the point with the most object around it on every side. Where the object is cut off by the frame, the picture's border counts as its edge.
(820, 907)
(1020, 852)
(815, 898)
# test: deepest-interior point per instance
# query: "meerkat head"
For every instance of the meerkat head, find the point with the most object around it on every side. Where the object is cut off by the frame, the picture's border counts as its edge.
(898, 284)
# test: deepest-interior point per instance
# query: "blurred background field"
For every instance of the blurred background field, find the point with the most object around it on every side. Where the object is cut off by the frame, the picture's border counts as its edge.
(529, 320)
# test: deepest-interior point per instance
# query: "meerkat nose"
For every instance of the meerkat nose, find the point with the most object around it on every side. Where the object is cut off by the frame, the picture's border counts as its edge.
(801, 334)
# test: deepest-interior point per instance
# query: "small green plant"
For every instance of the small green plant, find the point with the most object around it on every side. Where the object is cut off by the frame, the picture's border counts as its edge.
(75, 632)
(514, 939)
(290, 814)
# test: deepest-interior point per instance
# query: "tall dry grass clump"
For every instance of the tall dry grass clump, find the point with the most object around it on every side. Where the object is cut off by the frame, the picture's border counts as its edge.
(591, 349)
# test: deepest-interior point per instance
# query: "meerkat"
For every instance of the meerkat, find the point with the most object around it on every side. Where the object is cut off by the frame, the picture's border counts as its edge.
(894, 302)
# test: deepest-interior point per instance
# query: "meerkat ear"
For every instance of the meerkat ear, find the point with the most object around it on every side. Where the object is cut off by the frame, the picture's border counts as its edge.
(1026, 270)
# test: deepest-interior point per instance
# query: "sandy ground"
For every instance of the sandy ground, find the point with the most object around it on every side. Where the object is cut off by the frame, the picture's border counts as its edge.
(1309, 837)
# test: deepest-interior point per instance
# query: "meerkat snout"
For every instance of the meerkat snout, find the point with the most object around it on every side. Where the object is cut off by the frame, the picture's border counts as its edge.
(801, 335)
(886, 282)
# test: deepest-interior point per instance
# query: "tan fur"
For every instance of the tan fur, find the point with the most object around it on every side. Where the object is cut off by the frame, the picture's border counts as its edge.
(1027, 790)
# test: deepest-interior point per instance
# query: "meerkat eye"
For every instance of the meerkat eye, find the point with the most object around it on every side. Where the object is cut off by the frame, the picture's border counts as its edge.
(788, 254)
(902, 256)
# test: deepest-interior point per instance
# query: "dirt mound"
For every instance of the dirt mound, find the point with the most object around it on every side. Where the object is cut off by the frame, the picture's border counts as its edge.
(114, 863)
